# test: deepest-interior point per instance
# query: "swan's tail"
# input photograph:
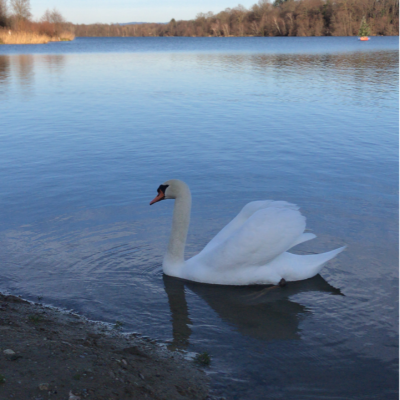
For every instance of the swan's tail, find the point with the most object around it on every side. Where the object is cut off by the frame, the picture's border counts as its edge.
(298, 267)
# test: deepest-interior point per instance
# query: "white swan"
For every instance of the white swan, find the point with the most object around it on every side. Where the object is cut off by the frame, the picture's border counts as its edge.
(251, 249)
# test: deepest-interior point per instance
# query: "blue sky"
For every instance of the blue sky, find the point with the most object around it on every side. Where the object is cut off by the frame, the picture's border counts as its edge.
(108, 11)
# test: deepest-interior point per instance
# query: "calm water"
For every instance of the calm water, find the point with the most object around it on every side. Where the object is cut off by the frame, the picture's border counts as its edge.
(89, 129)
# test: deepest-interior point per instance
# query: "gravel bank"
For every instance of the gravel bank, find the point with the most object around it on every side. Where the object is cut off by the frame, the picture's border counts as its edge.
(49, 354)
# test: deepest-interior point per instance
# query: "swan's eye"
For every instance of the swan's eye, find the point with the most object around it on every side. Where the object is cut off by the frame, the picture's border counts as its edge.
(162, 188)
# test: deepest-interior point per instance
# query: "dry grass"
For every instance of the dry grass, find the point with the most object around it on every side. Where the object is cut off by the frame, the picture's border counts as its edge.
(20, 37)
(63, 37)
(16, 37)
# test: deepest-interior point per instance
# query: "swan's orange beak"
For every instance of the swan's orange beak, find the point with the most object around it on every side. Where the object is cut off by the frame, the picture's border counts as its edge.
(159, 197)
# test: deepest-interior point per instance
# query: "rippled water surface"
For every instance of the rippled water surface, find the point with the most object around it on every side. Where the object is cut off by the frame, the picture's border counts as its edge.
(89, 129)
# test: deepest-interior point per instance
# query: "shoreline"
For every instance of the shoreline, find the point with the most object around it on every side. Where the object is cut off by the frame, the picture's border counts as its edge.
(48, 353)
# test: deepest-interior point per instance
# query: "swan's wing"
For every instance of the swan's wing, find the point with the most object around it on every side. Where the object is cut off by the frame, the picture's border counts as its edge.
(266, 234)
(247, 211)
(303, 238)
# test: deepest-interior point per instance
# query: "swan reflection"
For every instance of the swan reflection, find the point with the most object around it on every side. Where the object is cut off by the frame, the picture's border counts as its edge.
(262, 312)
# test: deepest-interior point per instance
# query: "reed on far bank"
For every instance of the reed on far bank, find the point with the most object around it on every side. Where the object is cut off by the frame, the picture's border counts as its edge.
(63, 37)
(8, 36)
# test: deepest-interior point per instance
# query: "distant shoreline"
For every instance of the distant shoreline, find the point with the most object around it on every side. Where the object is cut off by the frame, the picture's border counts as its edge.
(23, 38)
(279, 18)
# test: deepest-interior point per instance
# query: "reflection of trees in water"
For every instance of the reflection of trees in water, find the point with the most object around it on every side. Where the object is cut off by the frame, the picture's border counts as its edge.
(55, 62)
(262, 312)
(350, 63)
(23, 66)
(353, 76)
(4, 69)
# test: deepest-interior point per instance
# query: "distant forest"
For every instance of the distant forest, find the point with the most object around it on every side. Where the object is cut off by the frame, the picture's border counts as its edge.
(281, 18)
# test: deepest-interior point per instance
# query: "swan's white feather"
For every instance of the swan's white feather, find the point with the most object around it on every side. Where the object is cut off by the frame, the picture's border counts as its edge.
(267, 233)
(304, 238)
(247, 211)
(251, 249)
(241, 252)
(291, 267)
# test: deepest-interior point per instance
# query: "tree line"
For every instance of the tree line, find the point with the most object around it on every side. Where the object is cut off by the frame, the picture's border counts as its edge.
(16, 16)
(281, 18)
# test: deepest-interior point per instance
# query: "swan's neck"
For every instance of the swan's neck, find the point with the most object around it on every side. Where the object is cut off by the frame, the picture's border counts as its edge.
(174, 258)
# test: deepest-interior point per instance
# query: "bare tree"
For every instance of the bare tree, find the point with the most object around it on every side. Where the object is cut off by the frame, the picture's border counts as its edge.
(21, 9)
(53, 16)
(3, 13)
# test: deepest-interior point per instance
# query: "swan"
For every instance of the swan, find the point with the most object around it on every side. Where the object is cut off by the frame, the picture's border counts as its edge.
(250, 250)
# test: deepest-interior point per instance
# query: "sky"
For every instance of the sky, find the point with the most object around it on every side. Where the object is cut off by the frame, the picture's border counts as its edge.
(113, 11)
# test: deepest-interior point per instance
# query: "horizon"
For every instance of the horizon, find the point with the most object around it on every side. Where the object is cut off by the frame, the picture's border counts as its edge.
(123, 12)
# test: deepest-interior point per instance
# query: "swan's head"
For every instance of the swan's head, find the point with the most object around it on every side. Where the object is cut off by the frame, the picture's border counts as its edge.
(171, 190)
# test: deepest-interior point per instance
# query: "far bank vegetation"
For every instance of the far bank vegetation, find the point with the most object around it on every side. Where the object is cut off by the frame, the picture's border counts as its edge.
(277, 18)
(281, 18)
(17, 26)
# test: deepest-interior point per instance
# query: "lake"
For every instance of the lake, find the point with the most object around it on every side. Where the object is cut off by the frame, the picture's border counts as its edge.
(90, 129)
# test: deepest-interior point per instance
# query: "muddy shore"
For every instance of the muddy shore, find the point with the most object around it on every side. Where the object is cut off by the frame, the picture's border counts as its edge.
(49, 354)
